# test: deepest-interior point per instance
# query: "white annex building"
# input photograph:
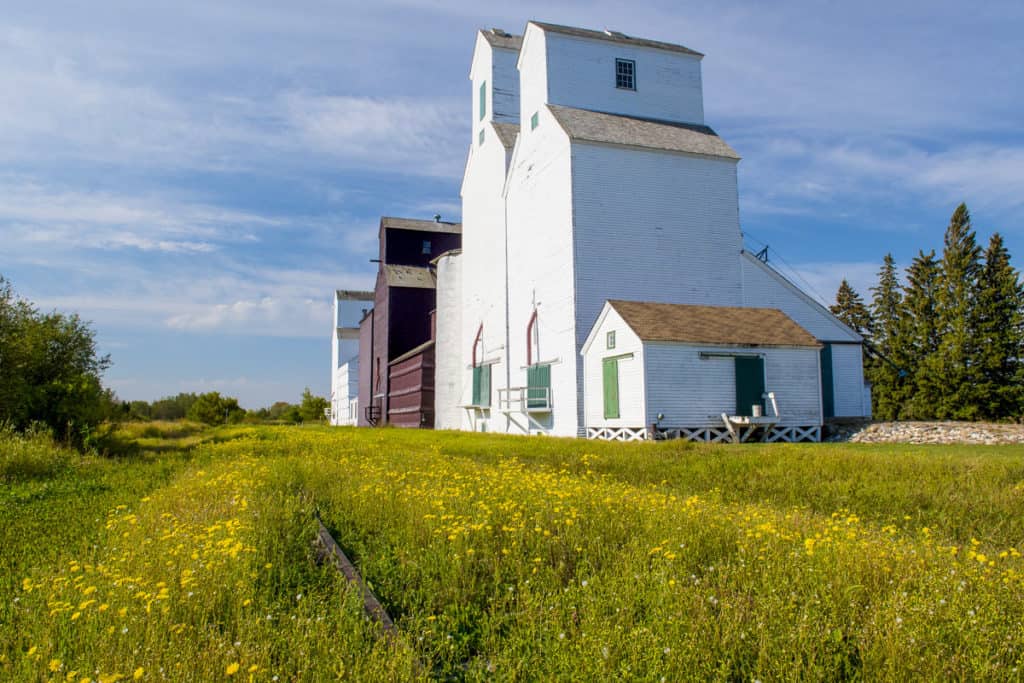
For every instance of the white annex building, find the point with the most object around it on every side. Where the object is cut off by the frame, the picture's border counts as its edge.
(592, 178)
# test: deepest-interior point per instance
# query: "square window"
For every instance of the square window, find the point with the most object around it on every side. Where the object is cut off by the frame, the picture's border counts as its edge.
(534, 120)
(426, 246)
(610, 340)
(480, 137)
(625, 74)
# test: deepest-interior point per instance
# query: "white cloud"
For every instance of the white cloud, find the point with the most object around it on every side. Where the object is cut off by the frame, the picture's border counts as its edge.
(269, 316)
(414, 136)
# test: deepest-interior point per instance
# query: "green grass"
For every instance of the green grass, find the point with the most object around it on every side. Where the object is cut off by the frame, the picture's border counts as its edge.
(188, 557)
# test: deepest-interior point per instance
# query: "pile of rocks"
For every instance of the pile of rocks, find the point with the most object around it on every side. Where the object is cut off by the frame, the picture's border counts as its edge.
(928, 432)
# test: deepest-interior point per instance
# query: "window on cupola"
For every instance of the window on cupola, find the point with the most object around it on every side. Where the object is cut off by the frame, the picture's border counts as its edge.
(483, 100)
(625, 74)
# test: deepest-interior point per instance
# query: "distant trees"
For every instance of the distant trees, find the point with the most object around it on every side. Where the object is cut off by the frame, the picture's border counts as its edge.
(948, 343)
(50, 369)
(213, 409)
(313, 408)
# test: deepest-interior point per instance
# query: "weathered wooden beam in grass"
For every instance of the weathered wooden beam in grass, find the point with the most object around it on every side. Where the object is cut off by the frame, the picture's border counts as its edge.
(371, 604)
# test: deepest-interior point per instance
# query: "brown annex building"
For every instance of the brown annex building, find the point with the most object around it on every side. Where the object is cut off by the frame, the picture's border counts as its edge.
(396, 340)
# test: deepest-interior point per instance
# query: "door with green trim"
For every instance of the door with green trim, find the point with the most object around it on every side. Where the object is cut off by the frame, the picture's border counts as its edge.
(828, 395)
(749, 384)
(610, 372)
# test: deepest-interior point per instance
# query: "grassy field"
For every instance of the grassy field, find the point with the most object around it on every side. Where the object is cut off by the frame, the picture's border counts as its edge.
(189, 558)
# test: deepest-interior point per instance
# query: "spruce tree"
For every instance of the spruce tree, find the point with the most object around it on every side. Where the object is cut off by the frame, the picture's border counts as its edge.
(849, 307)
(1000, 336)
(918, 338)
(952, 368)
(883, 364)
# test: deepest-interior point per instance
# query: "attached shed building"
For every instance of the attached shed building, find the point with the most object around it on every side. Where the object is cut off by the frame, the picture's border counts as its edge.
(655, 369)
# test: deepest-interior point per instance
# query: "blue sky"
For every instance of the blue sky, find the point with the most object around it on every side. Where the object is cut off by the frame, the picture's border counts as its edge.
(197, 177)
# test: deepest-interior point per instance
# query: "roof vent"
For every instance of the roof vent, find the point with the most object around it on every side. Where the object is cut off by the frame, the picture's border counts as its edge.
(500, 32)
(437, 218)
(616, 34)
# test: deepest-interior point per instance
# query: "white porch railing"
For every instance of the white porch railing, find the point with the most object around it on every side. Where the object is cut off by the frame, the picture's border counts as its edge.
(524, 400)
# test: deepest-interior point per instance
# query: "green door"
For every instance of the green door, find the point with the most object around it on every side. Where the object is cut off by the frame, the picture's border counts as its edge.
(828, 397)
(749, 384)
(482, 385)
(611, 387)
(538, 386)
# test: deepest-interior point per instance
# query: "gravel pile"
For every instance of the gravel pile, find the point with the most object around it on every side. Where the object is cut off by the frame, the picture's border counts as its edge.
(927, 432)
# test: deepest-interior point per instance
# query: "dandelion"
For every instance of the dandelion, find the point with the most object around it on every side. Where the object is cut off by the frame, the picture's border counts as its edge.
(253, 669)
(138, 673)
(54, 665)
(232, 669)
(31, 651)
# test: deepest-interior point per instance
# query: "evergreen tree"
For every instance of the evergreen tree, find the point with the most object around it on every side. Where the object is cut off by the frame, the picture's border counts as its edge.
(1000, 336)
(849, 307)
(918, 338)
(952, 369)
(883, 365)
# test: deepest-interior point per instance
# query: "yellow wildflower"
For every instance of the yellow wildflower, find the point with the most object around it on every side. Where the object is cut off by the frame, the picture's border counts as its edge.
(253, 669)
(232, 669)
(137, 674)
(31, 651)
(54, 665)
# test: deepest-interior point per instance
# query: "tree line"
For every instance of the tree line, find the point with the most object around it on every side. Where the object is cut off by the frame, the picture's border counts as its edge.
(51, 374)
(944, 340)
(214, 409)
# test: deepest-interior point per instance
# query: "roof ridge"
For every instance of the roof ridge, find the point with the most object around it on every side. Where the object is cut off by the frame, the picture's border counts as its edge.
(614, 37)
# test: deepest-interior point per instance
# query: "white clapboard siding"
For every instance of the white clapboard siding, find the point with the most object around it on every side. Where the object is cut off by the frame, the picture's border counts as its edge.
(541, 270)
(533, 76)
(581, 73)
(764, 288)
(848, 381)
(632, 410)
(691, 391)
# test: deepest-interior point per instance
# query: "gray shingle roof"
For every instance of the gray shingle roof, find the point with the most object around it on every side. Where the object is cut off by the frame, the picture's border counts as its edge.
(729, 325)
(417, 224)
(615, 37)
(409, 276)
(499, 38)
(592, 126)
(506, 133)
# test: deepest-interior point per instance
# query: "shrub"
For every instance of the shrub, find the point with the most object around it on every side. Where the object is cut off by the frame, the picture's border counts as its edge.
(32, 454)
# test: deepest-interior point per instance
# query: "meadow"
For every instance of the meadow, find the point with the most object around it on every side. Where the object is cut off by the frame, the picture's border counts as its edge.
(188, 556)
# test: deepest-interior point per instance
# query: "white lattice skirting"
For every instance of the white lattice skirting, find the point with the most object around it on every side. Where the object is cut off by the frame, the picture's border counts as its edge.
(617, 433)
(707, 434)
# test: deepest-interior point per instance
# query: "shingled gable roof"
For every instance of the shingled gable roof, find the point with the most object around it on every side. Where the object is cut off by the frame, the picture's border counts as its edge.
(507, 133)
(497, 37)
(726, 325)
(614, 37)
(422, 225)
(593, 126)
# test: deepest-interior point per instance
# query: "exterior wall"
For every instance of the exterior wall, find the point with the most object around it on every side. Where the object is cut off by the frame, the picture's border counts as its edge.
(449, 370)
(533, 77)
(405, 247)
(483, 265)
(848, 381)
(408, 318)
(345, 396)
(541, 274)
(366, 352)
(581, 73)
(763, 288)
(632, 408)
(673, 218)
(497, 67)
(411, 390)
(379, 370)
(693, 392)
